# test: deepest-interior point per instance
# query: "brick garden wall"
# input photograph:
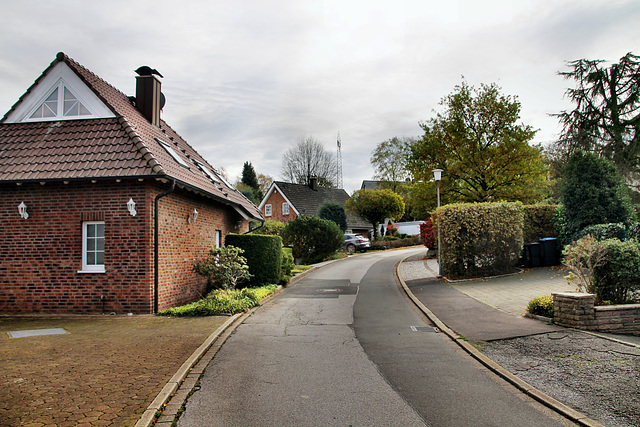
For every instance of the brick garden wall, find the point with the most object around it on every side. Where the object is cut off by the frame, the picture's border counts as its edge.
(577, 310)
(40, 257)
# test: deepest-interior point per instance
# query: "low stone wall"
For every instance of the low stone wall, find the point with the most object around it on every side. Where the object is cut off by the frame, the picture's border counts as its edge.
(578, 310)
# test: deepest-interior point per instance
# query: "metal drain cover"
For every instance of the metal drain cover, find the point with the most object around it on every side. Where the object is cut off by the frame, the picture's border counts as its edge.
(36, 333)
(330, 290)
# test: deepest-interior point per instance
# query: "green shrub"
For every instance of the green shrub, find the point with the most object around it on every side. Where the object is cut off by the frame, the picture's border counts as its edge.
(312, 239)
(263, 254)
(270, 227)
(582, 257)
(223, 301)
(538, 222)
(224, 267)
(480, 238)
(560, 226)
(633, 232)
(605, 231)
(541, 306)
(617, 277)
(287, 265)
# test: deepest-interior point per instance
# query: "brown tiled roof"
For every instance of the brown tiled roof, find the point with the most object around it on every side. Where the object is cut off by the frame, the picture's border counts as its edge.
(308, 201)
(122, 147)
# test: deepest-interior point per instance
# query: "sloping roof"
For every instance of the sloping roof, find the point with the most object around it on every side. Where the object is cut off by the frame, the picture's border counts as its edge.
(307, 201)
(125, 146)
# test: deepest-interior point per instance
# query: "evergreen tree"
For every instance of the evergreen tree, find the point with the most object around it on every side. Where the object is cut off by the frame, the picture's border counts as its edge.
(334, 212)
(593, 193)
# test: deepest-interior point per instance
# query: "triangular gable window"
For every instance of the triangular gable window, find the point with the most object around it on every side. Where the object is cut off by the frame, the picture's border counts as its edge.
(56, 106)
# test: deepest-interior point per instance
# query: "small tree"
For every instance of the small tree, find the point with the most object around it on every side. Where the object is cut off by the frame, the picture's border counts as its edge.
(375, 206)
(312, 238)
(334, 212)
(224, 267)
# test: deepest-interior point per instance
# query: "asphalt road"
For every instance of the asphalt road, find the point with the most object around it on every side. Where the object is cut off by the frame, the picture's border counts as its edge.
(344, 347)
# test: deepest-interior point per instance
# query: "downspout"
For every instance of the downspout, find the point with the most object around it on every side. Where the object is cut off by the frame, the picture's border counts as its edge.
(257, 228)
(156, 245)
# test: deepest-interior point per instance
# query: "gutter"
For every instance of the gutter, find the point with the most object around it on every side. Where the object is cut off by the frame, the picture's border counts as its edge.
(156, 244)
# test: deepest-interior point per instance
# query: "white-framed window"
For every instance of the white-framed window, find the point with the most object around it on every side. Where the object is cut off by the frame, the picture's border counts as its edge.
(218, 238)
(267, 210)
(93, 247)
(60, 103)
(285, 208)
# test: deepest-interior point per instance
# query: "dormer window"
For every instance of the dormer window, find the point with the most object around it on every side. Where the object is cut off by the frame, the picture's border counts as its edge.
(61, 103)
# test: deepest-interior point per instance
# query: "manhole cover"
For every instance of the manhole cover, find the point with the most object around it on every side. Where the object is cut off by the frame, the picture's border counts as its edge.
(37, 333)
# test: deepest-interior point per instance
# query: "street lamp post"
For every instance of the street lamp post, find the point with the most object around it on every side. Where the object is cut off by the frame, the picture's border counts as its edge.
(437, 176)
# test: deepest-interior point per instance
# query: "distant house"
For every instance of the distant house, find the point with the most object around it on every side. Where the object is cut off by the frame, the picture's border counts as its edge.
(103, 206)
(285, 201)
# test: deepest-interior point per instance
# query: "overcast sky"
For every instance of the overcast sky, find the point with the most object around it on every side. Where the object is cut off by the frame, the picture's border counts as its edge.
(246, 80)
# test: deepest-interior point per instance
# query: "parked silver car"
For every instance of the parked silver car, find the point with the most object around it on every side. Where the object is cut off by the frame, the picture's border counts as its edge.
(355, 242)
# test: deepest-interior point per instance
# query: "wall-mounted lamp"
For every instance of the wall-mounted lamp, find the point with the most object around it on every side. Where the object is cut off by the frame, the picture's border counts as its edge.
(131, 206)
(22, 210)
(194, 215)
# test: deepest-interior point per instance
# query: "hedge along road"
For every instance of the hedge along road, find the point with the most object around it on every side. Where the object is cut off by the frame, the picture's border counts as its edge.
(338, 348)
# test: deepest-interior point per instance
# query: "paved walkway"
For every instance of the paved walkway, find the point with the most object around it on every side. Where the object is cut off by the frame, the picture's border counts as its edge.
(105, 371)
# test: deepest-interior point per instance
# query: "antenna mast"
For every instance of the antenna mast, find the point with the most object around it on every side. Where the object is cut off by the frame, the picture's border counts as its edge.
(339, 183)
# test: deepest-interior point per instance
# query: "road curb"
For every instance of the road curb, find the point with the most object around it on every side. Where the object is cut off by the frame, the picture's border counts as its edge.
(148, 417)
(520, 384)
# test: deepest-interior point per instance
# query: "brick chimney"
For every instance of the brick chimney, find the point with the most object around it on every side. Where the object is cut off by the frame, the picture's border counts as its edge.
(148, 97)
(313, 183)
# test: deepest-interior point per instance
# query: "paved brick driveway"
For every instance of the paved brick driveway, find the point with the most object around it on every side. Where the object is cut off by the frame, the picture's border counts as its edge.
(105, 372)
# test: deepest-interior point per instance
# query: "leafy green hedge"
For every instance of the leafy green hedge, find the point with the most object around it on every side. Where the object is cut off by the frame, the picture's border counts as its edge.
(263, 254)
(538, 222)
(605, 231)
(480, 238)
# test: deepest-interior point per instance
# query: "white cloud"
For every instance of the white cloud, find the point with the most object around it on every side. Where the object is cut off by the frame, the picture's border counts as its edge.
(261, 74)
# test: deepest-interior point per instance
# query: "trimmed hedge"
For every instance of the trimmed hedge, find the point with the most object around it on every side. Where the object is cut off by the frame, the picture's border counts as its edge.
(605, 231)
(263, 254)
(538, 222)
(480, 238)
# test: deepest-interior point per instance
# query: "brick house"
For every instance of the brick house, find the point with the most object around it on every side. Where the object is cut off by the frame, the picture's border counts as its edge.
(103, 206)
(285, 201)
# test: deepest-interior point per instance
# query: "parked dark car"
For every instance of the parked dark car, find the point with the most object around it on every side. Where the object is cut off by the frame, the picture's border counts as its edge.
(355, 242)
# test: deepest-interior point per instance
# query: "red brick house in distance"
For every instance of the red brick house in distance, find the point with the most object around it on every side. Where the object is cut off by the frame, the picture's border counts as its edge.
(103, 206)
(285, 201)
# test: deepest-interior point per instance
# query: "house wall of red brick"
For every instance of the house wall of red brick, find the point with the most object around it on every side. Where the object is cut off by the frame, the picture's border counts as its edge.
(276, 200)
(182, 243)
(40, 257)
